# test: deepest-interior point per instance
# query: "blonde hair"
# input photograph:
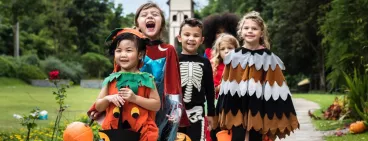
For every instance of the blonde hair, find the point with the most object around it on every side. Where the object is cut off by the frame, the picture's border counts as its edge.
(215, 53)
(256, 17)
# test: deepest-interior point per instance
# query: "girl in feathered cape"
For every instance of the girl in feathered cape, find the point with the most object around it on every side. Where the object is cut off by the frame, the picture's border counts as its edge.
(254, 99)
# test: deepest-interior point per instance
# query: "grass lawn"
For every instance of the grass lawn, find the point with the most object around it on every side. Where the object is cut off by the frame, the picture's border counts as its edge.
(325, 100)
(16, 97)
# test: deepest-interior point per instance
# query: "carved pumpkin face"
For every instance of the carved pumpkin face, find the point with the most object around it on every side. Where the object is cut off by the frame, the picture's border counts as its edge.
(135, 116)
(78, 131)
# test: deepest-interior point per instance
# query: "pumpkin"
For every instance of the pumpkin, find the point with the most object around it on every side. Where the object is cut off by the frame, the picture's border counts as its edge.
(182, 137)
(78, 131)
(224, 135)
(357, 127)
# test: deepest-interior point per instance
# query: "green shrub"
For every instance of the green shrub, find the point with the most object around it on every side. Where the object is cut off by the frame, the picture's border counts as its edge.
(30, 59)
(95, 64)
(27, 72)
(358, 94)
(293, 80)
(7, 67)
(77, 68)
(52, 63)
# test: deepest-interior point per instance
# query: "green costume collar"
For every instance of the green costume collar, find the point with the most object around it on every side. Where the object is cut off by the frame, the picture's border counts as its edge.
(131, 80)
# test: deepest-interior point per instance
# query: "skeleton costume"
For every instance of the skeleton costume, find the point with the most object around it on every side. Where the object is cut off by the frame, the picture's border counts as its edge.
(254, 96)
(197, 87)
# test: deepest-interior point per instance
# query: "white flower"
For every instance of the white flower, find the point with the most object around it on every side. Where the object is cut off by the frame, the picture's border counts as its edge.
(17, 116)
(33, 114)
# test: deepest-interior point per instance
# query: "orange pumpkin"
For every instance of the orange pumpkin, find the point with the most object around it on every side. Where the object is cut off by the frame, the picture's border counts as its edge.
(182, 137)
(78, 131)
(357, 127)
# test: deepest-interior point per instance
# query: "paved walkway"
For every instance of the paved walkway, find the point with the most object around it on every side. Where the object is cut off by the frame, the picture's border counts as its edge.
(306, 131)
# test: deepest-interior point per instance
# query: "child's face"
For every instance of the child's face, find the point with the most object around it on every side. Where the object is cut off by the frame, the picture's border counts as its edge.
(225, 48)
(190, 38)
(251, 32)
(127, 56)
(149, 22)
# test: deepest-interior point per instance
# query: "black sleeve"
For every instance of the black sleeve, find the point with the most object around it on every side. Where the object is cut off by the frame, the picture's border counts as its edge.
(209, 88)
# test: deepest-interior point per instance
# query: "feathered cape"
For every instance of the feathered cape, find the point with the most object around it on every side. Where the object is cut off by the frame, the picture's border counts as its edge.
(254, 94)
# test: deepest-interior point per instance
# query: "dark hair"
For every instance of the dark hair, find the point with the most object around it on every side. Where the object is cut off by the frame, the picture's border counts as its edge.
(192, 22)
(141, 43)
(227, 21)
(146, 6)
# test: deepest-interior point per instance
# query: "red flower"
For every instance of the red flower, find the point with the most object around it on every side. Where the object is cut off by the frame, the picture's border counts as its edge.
(54, 75)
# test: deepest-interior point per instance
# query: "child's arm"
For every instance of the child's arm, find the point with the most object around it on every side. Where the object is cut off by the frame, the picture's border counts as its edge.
(209, 88)
(103, 100)
(152, 103)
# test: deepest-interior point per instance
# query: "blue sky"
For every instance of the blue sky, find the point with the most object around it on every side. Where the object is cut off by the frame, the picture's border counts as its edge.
(130, 6)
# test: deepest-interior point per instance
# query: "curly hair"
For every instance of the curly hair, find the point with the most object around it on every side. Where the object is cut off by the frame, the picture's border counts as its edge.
(212, 24)
(256, 17)
(215, 53)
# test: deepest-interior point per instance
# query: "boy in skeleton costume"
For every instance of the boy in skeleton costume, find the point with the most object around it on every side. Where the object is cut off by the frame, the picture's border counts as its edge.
(254, 99)
(196, 80)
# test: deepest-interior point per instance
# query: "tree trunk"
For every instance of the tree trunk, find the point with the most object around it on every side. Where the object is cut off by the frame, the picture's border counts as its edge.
(16, 39)
(322, 70)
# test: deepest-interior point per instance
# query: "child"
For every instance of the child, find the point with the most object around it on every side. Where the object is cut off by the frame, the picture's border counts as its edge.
(162, 62)
(254, 99)
(128, 97)
(216, 24)
(196, 79)
(223, 45)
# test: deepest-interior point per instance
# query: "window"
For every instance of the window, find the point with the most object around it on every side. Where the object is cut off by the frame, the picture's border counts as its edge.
(174, 18)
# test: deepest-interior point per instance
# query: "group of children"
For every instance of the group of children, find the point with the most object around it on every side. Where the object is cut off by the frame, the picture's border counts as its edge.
(155, 92)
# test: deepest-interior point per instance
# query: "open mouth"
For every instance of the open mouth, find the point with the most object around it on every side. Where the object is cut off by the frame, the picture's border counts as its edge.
(124, 61)
(191, 44)
(150, 25)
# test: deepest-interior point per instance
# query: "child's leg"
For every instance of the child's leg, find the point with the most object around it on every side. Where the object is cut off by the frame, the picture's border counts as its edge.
(238, 133)
(255, 135)
(196, 129)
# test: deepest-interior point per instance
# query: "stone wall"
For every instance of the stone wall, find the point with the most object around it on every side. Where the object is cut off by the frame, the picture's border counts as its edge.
(91, 84)
(47, 83)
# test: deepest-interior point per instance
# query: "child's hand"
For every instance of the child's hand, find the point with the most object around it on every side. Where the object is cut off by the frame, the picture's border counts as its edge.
(210, 122)
(116, 99)
(127, 94)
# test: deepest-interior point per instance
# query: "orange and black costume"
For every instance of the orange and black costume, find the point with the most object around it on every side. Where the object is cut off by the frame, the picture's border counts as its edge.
(254, 96)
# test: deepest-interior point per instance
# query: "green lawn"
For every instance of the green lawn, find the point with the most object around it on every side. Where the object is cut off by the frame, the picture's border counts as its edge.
(18, 98)
(325, 100)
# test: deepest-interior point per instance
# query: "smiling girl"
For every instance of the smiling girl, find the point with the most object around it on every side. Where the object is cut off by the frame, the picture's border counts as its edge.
(254, 99)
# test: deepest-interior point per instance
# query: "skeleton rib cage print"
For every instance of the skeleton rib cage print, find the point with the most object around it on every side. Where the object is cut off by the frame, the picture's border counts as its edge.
(191, 75)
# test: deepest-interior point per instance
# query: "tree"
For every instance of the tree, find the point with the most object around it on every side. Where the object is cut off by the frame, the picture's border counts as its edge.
(90, 18)
(18, 9)
(345, 31)
(295, 37)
